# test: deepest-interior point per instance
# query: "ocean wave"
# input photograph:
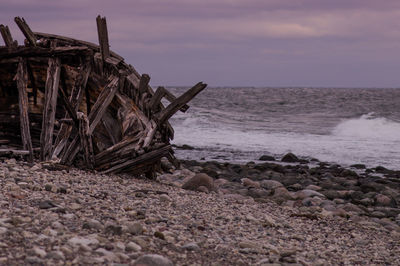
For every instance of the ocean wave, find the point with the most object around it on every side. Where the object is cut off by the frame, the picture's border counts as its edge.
(368, 126)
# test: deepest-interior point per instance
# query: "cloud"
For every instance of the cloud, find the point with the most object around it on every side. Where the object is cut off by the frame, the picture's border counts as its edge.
(220, 36)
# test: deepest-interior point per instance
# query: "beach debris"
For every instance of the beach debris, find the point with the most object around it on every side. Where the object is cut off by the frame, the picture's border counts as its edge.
(77, 103)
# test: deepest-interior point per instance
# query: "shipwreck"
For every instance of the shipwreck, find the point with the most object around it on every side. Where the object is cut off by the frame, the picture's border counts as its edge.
(79, 103)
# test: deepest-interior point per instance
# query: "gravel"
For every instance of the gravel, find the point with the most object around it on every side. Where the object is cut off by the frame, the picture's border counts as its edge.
(77, 217)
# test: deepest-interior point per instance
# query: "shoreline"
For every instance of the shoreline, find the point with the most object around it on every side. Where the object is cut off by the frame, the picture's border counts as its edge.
(223, 158)
(79, 217)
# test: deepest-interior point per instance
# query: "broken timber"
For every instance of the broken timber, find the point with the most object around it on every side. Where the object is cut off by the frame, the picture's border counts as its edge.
(81, 104)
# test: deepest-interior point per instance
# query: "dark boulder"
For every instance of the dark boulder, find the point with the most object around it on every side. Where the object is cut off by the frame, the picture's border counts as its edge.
(267, 158)
(290, 158)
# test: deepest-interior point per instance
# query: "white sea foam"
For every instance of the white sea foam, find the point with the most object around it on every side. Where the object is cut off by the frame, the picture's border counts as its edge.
(369, 127)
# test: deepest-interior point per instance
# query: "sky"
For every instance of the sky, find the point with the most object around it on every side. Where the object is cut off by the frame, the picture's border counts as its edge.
(261, 43)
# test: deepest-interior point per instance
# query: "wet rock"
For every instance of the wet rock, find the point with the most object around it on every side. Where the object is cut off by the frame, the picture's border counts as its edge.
(371, 187)
(290, 158)
(266, 158)
(358, 166)
(348, 172)
(199, 180)
(153, 260)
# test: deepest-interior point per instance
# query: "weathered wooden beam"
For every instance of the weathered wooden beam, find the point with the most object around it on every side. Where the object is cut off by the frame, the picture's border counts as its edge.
(22, 82)
(159, 94)
(67, 105)
(173, 107)
(73, 42)
(23, 26)
(5, 53)
(75, 100)
(94, 117)
(88, 102)
(133, 80)
(113, 149)
(86, 140)
(13, 152)
(144, 83)
(103, 37)
(6, 34)
(148, 157)
(33, 83)
(113, 131)
(49, 110)
(102, 102)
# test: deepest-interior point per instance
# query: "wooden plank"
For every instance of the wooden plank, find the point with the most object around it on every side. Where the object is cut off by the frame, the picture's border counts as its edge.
(67, 105)
(144, 83)
(113, 149)
(103, 37)
(49, 110)
(73, 42)
(158, 95)
(86, 140)
(113, 131)
(173, 107)
(6, 34)
(22, 82)
(5, 53)
(102, 102)
(133, 80)
(13, 152)
(88, 103)
(33, 83)
(23, 26)
(145, 158)
(94, 117)
(75, 100)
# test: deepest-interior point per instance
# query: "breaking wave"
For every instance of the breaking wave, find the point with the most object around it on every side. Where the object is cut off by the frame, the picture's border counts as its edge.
(369, 127)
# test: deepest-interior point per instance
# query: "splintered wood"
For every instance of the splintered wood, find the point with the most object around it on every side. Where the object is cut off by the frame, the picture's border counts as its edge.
(79, 103)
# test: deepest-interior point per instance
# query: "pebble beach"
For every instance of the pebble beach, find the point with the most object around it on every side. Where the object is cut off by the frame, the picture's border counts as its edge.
(204, 213)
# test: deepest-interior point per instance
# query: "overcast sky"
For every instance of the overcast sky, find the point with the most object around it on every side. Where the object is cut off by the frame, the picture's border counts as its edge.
(328, 43)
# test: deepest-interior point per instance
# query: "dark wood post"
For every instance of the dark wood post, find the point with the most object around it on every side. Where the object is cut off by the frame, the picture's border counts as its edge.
(22, 81)
(6, 34)
(49, 110)
(23, 26)
(103, 37)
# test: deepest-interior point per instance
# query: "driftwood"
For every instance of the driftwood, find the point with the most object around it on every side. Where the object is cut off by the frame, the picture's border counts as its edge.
(81, 104)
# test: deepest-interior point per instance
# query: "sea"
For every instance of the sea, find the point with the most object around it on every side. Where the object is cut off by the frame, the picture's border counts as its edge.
(337, 125)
